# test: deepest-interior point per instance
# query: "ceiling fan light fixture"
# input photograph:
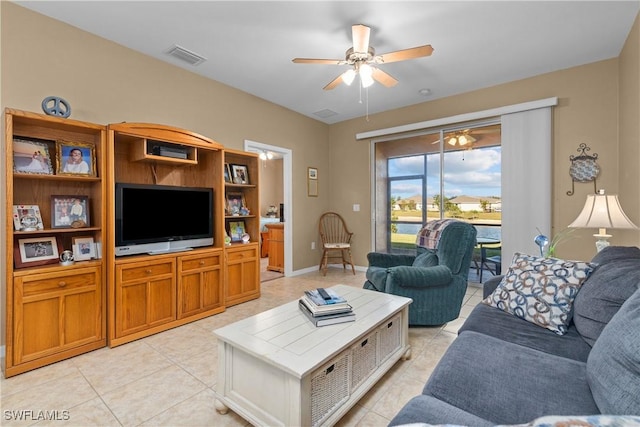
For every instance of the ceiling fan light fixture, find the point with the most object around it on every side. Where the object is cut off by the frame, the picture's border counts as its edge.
(463, 140)
(452, 141)
(348, 76)
(366, 75)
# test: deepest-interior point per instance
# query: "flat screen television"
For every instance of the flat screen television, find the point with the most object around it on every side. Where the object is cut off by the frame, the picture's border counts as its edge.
(160, 218)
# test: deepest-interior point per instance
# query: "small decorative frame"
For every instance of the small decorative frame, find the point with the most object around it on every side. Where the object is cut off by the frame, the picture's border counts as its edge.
(27, 218)
(69, 211)
(31, 157)
(235, 203)
(36, 251)
(312, 182)
(84, 248)
(240, 174)
(227, 173)
(236, 230)
(75, 158)
(584, 168)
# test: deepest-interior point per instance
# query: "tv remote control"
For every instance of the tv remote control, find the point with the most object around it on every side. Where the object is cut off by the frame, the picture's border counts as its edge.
(325, 296)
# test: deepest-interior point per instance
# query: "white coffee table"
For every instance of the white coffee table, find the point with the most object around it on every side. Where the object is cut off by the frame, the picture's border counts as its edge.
(277, 369)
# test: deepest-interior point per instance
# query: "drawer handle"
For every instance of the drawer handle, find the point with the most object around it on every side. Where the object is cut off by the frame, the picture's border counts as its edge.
(62, 284)
(201, 262)
(364, 342)
(390, 324)
(330, 369)
(148, 271)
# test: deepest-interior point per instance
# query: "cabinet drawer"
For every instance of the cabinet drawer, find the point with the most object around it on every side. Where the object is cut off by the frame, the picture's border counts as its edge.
(137, 272)
(200, 262)
(35, 284)
(239, 255)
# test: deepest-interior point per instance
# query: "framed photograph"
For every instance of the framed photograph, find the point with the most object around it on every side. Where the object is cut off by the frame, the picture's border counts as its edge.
(84, 248)
(27, 218)
(31, 157)
(227, 173)
(240, 174)
(313, 173)
(236, 230)
(235, 203)
(69, 211)
(75, 158)
(36, 251)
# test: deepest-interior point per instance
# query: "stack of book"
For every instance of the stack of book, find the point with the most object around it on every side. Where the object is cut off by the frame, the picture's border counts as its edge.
(325, 307)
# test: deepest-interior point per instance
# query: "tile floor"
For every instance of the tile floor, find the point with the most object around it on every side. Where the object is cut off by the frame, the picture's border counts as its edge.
(168, 379)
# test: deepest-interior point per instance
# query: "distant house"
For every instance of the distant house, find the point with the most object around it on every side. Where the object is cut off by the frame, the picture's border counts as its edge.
(474, 203)
(413, 203)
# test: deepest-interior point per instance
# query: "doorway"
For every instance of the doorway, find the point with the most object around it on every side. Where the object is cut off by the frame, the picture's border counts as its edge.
(287, 172)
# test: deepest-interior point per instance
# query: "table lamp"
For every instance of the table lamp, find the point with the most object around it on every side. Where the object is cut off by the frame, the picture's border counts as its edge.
(602, 211)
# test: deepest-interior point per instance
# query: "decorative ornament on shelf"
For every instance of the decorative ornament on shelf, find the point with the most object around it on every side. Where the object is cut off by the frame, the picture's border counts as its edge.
(56, 106)
(272, 211)
(584, 168)
(542, 241)
(66, 258)
(227, 239)
(246, 238)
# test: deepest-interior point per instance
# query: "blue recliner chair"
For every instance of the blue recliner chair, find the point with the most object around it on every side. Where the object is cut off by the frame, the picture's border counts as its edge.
(435, 278)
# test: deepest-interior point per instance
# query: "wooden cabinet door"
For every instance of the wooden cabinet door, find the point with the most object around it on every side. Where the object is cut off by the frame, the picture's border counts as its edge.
(145, 295)
(199, 283)
(56, 312)
(243, 274)
(276, 247)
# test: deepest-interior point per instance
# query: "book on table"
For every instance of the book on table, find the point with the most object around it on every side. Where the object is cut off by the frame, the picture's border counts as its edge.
(326, 319)
(332, 297)
(319, 310)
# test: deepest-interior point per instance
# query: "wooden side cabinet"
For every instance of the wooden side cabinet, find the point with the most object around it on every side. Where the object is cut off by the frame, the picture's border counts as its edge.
(243, 273)
(276, 247)
(199, 283)
(56, 313)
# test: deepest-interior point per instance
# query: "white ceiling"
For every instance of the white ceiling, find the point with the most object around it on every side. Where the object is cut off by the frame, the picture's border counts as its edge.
(249, 45)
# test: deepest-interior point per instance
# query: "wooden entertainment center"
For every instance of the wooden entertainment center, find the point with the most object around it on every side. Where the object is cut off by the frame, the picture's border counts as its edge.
(56, 311)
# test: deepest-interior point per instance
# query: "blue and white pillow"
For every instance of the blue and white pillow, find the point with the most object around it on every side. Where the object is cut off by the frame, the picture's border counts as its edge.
(541, 290)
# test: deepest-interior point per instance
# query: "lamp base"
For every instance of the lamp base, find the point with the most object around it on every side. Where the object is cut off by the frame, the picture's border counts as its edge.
(602, 241)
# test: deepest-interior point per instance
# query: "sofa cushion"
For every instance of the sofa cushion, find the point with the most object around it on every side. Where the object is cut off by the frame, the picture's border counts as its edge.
(540, 290)
(507, 383)
(613, 367)
(425, 410)
(496, 323)
(613, 281)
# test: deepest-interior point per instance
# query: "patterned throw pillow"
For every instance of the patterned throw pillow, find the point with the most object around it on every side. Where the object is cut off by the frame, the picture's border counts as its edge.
(541, 290)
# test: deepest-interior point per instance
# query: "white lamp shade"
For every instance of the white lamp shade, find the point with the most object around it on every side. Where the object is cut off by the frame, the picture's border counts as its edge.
(602, 211)
(348, 76)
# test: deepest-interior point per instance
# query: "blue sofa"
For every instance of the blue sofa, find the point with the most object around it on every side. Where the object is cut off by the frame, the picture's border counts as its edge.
(503, 370)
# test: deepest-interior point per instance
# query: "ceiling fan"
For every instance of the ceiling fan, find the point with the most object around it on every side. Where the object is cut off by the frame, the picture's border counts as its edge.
(464, 138)
(363, 60)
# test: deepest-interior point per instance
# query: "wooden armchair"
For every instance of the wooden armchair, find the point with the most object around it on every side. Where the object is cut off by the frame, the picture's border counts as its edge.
(336, 241)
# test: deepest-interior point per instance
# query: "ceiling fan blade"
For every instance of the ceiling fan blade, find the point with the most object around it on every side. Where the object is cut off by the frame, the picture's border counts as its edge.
(335, 82)
(384, 78)
(317, 61)
(402, 55)
(360, 34)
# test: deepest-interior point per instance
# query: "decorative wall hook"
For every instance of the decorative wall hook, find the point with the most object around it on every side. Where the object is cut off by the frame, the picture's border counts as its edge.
(584, 168)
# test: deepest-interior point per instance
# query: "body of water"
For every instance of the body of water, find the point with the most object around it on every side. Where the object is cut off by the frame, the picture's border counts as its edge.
(488, 231)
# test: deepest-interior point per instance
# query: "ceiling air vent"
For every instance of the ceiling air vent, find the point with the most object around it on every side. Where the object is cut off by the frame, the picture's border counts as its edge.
(323, 114)
(185, 55)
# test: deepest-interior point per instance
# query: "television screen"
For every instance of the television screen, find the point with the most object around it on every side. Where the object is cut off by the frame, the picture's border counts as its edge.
(159, 214)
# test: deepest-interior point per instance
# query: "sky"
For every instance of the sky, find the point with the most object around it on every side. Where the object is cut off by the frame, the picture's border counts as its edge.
(469, 172)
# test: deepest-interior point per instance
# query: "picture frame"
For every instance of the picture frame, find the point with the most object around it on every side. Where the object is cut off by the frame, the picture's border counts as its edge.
(36, 251)
(31, 157)
(84, 248)
(236, 230)
(312, 182)
(70, 211)
(27, 218)
(75, 159)
(312, 173)
(227, 173)
(235, 203)
(240, 174)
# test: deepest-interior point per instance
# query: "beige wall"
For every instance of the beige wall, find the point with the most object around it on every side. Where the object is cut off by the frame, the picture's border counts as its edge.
(589, 98)
(271, 185)
(105, 83)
